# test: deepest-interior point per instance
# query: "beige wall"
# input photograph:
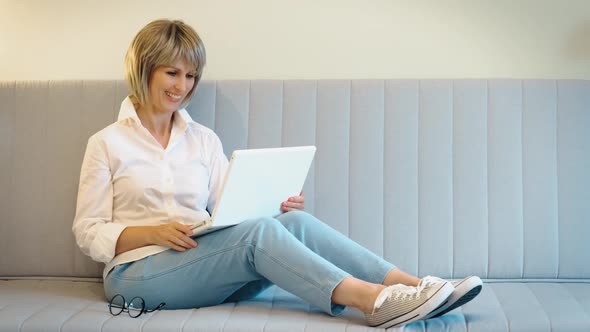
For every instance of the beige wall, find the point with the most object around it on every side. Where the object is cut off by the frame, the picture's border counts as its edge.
(67, 39)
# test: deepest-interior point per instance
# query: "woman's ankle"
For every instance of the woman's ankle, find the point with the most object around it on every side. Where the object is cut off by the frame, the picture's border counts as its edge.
(368, 304)
(357, 293)
(397, 276)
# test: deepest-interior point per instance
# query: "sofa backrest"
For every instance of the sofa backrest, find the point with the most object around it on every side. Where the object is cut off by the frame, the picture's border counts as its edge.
(442, 177)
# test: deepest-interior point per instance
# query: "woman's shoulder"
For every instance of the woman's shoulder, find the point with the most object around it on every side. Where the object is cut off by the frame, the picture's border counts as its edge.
(113, 132)
(204, 133)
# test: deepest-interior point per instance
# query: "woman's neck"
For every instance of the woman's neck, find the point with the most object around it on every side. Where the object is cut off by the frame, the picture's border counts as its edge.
(158, 124)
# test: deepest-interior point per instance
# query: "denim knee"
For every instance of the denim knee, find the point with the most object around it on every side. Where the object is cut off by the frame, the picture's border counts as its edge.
(297, 217)
(298, 220)
(264, 228)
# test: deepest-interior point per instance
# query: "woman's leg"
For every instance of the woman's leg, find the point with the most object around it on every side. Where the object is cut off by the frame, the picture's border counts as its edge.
(397, 276)
(342, 251)
(230, 259)
(357, 293)
(363, 264)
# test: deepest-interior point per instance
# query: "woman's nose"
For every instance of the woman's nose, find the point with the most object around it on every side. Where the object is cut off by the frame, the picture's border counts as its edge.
(181, 84)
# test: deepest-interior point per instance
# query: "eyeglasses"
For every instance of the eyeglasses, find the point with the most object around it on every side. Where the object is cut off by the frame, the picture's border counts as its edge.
(134, 308)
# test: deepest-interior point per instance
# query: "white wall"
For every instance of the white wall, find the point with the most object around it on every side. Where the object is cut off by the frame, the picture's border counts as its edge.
(67, 39)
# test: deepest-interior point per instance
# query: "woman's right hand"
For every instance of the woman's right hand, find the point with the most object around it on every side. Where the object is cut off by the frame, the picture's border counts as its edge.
(173, 235)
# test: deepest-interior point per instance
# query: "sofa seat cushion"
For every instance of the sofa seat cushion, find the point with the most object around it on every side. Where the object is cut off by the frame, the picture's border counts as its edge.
(55, 305)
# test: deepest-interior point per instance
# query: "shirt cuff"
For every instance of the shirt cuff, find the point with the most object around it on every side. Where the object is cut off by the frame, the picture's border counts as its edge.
(104, 244)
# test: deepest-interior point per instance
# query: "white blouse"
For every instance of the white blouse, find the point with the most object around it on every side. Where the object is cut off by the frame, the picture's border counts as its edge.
(128, 179)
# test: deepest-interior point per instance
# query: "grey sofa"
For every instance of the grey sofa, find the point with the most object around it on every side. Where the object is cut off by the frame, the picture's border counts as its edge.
(442, 177)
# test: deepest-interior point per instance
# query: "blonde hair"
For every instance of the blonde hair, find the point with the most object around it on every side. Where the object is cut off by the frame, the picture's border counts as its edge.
(161, 42)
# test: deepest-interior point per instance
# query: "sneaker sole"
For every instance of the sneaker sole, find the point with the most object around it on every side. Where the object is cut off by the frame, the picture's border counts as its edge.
(470, 295)
(424, 309)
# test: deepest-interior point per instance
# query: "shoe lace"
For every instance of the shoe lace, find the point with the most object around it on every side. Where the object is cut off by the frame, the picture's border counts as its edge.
(397, 292)
(429, 281)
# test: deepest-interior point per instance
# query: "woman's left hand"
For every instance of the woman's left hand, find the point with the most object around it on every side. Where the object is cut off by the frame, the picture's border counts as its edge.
(293, 203)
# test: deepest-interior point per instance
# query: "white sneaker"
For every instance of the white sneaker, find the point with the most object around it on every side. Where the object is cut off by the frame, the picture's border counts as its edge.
(465, 291)
(400, 304)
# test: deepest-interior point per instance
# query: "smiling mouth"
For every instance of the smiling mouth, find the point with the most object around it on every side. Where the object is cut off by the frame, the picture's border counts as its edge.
(173, 96)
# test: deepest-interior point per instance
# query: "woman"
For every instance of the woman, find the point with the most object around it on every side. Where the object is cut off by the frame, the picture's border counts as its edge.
(155, 171)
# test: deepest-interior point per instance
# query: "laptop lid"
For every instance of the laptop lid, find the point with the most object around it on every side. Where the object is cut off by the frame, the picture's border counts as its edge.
(259, 180)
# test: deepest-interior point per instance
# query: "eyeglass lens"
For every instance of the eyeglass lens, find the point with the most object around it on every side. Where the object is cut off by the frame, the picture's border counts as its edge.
(117, 304)
(136, 306)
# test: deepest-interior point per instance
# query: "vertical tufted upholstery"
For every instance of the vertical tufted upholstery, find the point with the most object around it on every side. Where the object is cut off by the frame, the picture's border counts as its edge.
(443, 177)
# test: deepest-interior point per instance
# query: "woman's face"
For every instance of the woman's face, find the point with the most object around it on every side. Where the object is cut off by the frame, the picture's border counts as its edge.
(170, 84)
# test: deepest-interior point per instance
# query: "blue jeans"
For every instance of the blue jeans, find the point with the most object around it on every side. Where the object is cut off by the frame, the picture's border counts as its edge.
(295, 251)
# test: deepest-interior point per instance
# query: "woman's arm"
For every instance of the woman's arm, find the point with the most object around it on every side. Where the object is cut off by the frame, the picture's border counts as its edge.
(173, 235)
(218, 164)
(95, 234)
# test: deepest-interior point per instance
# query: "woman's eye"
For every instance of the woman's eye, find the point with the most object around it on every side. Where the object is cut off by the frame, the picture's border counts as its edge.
(190, 76)
(171, 73)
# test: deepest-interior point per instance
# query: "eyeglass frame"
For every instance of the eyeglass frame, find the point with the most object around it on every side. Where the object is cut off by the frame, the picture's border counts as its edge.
(125, 306)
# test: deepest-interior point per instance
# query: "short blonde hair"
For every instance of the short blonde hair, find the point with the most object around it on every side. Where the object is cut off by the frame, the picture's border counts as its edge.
(161, 42)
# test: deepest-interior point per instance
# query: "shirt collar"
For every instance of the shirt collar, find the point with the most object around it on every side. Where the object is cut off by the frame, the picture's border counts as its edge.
(127, 111)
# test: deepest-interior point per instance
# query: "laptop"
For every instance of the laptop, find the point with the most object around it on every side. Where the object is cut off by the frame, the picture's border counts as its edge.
(256, 182)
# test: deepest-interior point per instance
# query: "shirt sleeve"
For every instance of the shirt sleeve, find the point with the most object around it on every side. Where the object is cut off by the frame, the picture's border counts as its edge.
(218, 167)
(93, 227)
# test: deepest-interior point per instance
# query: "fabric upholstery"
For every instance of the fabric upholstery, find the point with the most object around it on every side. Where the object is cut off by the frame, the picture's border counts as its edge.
(28, 305)
(441, 177)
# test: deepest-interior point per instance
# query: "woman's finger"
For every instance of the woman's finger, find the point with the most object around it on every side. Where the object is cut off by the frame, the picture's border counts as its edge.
(183, 228)
(296, 199)
(179, 239)
(287, 206)
(174, 246)
(294, 205)
(190, 242)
